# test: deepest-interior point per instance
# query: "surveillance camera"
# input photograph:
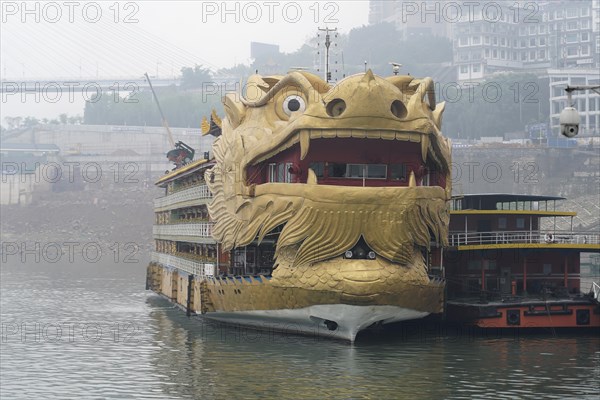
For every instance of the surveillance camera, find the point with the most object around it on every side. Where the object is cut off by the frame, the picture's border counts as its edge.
(569, 122)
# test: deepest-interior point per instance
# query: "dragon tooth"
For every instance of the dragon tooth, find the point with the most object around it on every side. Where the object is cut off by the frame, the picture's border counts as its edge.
(402, 136)
(329, 134)
(424, 147)
(412, 182)
(304, 143)
(376, 134)
(312, 177)
(388, 135)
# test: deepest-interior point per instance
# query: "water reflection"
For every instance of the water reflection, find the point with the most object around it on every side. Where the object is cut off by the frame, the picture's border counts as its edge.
(220, 360)
(148, 349)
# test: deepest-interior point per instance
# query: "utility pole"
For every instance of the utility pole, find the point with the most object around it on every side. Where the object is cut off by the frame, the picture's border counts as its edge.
(327, 44)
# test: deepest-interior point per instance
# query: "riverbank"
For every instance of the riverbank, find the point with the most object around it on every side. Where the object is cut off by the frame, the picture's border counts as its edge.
(104, 214)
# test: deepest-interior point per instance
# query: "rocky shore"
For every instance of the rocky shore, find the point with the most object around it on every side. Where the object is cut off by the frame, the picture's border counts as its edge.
(103, 214)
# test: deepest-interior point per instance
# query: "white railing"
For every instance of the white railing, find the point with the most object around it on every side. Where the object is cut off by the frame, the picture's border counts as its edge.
(191, 267)
(596, 291)
(510, 237)
(194, 193)
(203, 230)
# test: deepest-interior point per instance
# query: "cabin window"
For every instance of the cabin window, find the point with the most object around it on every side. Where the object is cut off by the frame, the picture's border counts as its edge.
(520, 223)
(377, 171)
(547, 269)
(355, 170)
(272, 172)
(370, 171)
(288, 173)
(502, 223)
(398, 172)
(280, 172)
(318, 168)
(474, 265)
(337, 170)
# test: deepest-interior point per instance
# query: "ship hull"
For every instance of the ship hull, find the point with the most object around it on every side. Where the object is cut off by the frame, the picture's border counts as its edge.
(262, 303)
(578, 313)
(334, 321)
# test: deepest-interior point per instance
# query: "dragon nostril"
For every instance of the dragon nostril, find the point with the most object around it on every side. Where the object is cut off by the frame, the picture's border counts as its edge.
(398, 109)
(336, 107)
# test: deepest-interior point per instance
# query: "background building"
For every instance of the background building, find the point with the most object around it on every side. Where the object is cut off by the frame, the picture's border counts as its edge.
(587, 102)
(514, 36)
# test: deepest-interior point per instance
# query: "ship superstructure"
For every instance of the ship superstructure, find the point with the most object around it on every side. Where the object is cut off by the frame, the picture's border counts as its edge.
(323, 210)
(507, 269)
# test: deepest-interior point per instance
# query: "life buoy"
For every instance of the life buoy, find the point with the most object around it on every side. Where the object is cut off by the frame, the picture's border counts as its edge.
(549, 238)
(582, 317)
(513, 317)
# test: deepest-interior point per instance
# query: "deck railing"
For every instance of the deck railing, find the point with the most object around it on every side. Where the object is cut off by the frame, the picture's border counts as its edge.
(193, 193)
(511, 237)
(189, 266)
(595, 291)
(203, 230)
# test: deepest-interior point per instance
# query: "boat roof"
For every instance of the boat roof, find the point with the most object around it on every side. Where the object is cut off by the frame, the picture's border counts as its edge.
(507, 197)
(183, 171)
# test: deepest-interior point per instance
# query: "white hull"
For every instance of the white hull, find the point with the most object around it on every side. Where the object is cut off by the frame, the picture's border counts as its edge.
(339, 321)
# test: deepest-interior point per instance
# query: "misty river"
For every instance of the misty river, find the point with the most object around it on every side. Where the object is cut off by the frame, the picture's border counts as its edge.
(90, 330)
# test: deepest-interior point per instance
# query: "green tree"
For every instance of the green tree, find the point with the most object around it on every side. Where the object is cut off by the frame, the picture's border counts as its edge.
(28, 122)
(194, 78)
(181, 108)
(501, 104)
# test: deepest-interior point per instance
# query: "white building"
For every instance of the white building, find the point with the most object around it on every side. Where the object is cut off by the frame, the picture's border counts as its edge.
(586, 102)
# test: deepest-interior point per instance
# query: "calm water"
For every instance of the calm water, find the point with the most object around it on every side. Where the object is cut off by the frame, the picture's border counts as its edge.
(91, 331)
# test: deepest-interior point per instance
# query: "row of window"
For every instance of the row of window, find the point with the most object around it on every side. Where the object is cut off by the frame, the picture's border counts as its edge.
(570, 12)
(533, 55)
(283, 172)
(369, 171)
(592, 104)
(523, 43)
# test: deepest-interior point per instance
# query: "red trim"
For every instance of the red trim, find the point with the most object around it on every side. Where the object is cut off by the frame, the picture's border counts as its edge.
(541, 321)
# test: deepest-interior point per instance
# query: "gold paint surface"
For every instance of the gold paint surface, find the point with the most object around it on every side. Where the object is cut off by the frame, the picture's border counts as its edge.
(321, 222)
(327, 220)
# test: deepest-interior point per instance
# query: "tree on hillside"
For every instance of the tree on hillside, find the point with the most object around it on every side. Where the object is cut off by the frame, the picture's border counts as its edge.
(501, 104)
(194, 78)
(181, 109)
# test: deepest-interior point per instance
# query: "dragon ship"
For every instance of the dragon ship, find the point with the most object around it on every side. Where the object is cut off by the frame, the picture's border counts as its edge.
(321, 209)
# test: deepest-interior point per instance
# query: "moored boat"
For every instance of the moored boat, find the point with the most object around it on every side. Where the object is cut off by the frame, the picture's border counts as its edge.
(505, 268)
(323, 208)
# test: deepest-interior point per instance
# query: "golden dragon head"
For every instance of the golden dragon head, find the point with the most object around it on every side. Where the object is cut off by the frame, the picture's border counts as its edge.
(325, 167)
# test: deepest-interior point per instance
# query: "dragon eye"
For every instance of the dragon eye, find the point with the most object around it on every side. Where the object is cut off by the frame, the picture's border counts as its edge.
(293, 104)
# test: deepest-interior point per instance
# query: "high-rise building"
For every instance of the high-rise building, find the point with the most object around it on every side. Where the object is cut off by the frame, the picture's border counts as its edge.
(382, 10)
(538, 36)
(491, 37)
(411, 18)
